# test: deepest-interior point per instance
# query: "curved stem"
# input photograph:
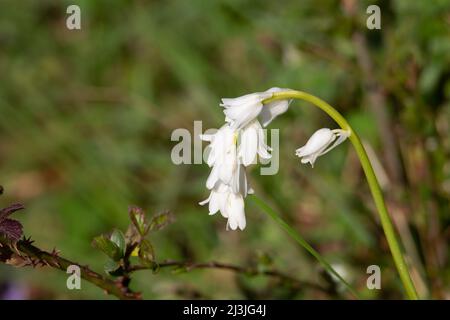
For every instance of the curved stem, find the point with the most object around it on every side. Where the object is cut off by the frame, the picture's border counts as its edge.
(375, 189)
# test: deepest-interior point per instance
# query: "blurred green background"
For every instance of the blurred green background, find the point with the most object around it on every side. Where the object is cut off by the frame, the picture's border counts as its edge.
(86, 118)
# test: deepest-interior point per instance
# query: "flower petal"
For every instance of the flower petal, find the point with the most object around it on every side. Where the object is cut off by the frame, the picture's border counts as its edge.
(342, 136)
(214, 203)
(237, 213)
(202, 203)
(213, 177)
(273, 109)
(318, 140)
(249, 146)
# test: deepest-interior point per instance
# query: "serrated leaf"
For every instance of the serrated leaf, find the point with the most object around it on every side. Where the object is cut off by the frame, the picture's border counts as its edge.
(137, 217)
(119, 239)
(161, 220)
(108, 247)
(146, 253)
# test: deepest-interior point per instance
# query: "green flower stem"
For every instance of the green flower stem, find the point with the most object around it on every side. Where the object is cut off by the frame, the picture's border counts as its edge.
(299, 239)
(377, 195)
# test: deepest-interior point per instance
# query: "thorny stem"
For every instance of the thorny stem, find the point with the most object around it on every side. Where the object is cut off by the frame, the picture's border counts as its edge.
(35, 256)
(377, 194)
(252, 271)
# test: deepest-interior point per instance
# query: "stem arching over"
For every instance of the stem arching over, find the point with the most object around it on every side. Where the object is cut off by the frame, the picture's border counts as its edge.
(374, 186)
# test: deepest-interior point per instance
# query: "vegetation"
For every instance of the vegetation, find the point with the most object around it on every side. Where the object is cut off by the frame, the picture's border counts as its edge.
(87, 116)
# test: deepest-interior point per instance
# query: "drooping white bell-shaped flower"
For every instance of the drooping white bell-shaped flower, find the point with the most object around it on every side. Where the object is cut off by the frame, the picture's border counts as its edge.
(217, 198)
(273, 109)
(227, 180)
(239, 183)
(222, 156)
(252, 143)
(234, 211)
(229, 203)
(235, 146)
(220, 144)
(321, 142)
(242, 110)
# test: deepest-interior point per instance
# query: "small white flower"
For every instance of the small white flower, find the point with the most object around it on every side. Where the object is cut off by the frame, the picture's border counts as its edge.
(235, 146)
(227, 180)
(252, 143)
(273, 109)
(222, 156)
(234, 211)
(230, 205)
(217, 198)
(321, 142)
(220, 144)
(239, 182)
(242, 110)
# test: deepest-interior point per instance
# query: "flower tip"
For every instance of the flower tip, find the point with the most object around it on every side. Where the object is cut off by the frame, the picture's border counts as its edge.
(232, 224)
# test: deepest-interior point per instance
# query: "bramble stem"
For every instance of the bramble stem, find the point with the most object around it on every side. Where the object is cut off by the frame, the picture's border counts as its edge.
(37, 257)
(250, 271)
(374, 186)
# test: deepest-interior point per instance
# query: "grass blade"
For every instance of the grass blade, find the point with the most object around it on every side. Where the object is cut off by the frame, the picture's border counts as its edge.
(299, 239)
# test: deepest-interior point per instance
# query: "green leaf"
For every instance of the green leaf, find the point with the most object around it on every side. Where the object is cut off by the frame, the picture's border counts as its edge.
(107, 247)
(113, 268)
(161, 220)
(146, 253)
(137, 217)
(119, 239)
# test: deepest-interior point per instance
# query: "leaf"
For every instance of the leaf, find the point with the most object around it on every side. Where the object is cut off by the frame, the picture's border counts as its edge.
(135, 252)
(146, 253)
(138, 219)
(161, 220)
(113, 268)
(108, 247)
(119, 239)
(12, 229)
